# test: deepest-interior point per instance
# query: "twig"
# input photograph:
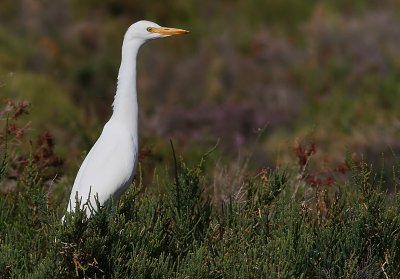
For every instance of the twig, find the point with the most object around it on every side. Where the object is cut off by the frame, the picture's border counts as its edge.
(383, 266)
(176, 175)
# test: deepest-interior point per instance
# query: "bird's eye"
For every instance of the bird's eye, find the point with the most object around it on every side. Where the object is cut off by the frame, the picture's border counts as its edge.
(149, 29)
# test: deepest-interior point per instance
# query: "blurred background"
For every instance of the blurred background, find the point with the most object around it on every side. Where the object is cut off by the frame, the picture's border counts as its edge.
(257, 76)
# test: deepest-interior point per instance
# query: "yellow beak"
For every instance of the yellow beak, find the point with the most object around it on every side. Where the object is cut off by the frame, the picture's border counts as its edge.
(168, 31)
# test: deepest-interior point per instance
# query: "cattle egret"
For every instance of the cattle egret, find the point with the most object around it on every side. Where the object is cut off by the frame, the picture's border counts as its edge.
(110, 165)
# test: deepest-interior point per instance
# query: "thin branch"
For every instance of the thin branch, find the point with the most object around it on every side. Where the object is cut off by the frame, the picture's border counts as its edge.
(176, 176)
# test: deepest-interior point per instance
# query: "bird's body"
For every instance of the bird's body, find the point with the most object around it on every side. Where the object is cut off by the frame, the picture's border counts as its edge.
(110, 166)
(113, 161)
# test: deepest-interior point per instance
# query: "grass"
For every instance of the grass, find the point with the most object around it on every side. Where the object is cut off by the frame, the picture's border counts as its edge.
(327, 72)
(290, 222)
(349, 230)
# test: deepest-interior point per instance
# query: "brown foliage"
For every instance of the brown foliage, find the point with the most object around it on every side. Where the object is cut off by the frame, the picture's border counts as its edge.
(40, 155)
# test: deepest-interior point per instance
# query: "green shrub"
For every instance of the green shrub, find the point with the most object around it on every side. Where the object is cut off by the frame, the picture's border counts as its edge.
(351, 230)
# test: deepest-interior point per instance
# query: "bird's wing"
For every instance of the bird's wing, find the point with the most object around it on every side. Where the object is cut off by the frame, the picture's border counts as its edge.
(108, 168)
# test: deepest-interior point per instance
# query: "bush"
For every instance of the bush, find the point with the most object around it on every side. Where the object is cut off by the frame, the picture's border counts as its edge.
(295, 222)
(351, 230)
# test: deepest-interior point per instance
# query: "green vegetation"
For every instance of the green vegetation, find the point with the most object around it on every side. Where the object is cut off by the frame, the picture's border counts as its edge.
(292, 222)
(349, 230)
(319, 79)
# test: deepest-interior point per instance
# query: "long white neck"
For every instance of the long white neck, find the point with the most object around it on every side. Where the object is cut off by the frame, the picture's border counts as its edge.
(125, 106)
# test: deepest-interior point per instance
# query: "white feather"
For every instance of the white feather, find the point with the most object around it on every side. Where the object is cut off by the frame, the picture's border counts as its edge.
(110, 166)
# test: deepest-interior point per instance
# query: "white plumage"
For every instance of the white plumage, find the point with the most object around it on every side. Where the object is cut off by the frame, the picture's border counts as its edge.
(110, 166)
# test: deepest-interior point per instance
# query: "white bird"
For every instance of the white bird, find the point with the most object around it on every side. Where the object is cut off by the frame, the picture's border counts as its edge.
(109, 167)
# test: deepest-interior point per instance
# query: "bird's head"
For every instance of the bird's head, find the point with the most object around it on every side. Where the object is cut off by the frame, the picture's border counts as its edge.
(145, 30)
